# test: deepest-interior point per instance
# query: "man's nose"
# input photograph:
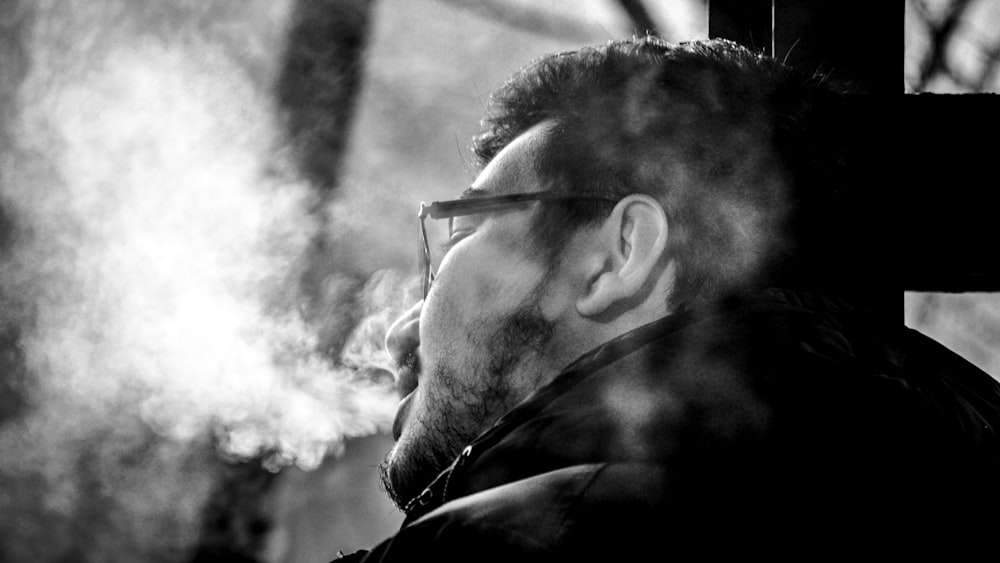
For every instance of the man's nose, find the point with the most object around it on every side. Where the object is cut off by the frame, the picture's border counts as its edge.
(404, 334)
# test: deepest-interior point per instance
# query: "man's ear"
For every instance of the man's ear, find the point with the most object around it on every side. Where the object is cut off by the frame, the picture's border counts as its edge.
(632, 242)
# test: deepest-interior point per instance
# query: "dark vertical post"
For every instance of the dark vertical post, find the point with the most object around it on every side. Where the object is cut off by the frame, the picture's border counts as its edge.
(316, 89)
(237, 520)
(321, 72)
(856, 44)
(747, 22)
(16, 24)
(853, 40)
(949, 204)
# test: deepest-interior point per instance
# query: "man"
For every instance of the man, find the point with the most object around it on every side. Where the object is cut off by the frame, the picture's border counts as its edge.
(656, 330)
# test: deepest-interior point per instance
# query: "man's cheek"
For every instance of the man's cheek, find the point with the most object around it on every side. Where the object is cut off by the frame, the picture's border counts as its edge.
(495, 287)
(471, 281)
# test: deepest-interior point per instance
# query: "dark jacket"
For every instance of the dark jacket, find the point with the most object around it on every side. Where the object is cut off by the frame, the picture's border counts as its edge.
(765, 426)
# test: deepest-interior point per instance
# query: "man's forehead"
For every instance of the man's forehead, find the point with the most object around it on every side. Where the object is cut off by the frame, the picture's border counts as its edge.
(513, 170)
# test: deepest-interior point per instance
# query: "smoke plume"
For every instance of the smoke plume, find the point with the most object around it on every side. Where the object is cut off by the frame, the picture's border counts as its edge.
(152, 240)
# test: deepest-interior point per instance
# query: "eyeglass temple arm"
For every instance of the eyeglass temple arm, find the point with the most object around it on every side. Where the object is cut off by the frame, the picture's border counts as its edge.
(446, 209)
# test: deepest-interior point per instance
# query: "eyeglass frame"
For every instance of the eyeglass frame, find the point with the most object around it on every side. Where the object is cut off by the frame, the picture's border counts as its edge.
(479, 204)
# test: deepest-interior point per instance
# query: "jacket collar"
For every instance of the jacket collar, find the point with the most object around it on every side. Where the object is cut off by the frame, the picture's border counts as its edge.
(453, 481)
(442, 488)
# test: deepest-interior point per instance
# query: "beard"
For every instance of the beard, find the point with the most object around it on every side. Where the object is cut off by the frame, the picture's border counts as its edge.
(468, 398)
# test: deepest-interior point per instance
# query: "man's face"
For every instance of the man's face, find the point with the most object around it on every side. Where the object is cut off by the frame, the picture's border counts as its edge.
(477, 344)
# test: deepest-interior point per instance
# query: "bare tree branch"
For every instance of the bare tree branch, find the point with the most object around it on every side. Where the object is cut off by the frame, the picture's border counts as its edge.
(526, 18)
(991, 69)
(940, 36)
(551, 24)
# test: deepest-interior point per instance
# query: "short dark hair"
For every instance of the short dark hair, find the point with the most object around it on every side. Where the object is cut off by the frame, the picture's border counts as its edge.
(743, 152)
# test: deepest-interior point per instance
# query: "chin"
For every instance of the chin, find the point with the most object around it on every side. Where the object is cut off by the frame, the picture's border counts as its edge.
(389, 473)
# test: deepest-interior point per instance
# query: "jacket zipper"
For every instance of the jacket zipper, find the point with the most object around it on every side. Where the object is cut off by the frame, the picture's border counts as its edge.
(462, 458)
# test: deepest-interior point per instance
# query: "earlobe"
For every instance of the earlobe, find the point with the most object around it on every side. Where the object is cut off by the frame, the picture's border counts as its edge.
(604, 292)
(633, 239)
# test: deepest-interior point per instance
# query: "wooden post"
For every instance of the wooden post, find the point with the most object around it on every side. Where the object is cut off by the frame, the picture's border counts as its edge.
(813, 36)
(927, 169)
(856, 41)
(747, 22)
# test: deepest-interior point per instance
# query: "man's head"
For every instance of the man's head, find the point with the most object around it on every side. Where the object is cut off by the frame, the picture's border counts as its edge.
(693, 149)
(502, 318)
(746, 155)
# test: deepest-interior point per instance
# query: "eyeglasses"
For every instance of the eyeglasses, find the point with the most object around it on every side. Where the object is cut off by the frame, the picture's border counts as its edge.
(474, 205)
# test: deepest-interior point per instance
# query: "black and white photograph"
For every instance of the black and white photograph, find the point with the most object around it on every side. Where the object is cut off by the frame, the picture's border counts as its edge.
(380, 281)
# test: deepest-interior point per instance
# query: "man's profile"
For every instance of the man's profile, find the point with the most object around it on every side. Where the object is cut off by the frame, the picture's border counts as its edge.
(654, 326)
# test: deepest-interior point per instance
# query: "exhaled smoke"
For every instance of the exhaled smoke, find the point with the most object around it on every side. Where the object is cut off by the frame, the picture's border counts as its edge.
(153, 250)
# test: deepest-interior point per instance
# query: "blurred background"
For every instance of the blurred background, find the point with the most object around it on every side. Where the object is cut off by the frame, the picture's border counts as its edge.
(207, 223)
(953, 47)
